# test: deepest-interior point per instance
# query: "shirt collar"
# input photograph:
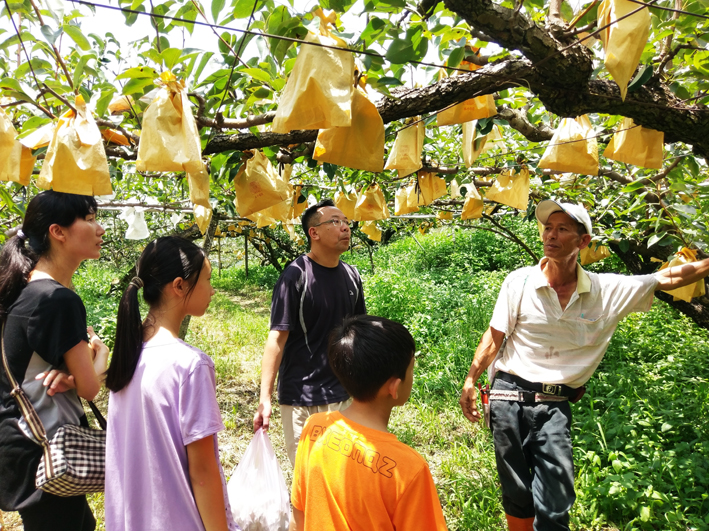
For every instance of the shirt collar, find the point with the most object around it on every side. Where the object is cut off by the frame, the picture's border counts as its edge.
(583, 281)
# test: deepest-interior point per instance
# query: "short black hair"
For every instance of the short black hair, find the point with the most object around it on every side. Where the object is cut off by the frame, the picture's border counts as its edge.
(311, 215)
(365, 351)
(581, 228)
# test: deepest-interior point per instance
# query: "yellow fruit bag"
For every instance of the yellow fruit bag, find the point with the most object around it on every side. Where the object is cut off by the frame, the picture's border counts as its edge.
(432, 186)
(455, 189)
(444, 215)
(16, 160)
(298, 203)
(258, 185)
(372, 231)
(169, 141)
(76, 161)
(371, 205)
(636, 145)
(494, 140)
(405, 156)
(401, 202)
(686, 293)
(269, 216)
(472, 109)
(318, 93)
(346, 203)
(359, 146)
(473, 144)
(593, 252)
(623, 40)
(510, 189)
(570, 149)
(473, 206)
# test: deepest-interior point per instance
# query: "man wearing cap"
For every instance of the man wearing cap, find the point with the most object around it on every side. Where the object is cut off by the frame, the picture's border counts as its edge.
(557, 320)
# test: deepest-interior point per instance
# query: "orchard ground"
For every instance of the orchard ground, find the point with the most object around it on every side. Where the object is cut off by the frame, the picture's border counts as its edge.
(641, 433)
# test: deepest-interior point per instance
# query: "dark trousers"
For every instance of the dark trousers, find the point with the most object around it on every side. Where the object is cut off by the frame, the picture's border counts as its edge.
(56, 513)
(534, 459)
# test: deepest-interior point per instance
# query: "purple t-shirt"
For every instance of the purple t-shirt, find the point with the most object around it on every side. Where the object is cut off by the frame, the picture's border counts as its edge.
(170, 403)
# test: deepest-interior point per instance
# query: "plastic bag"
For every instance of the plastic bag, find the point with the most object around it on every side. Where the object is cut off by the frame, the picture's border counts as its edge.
(636, 145)
(170, 141)
(432, 186)
(510, 189)
(472, 109)
(16, 160)
(371, 205)
(473, 206)
(137, 227)
(686, 293)
(359, 146)
(570, 149)
(318, 93)
(455, 189)
(257, 492)
(76, 161)
(593, 252)
(346, 203)
(405, 156)
(623, 40)
(372, 231)
(258, 185)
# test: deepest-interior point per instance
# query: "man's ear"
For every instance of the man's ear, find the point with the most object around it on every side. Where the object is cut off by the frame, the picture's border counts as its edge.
(57, 232)
(313, 232)
(585, 240)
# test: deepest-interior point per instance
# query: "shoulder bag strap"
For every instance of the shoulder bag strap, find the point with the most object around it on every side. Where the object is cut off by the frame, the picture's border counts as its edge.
(99, 417)
(27, 409)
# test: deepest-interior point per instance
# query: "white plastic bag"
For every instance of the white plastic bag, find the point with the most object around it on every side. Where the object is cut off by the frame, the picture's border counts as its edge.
(257, 491)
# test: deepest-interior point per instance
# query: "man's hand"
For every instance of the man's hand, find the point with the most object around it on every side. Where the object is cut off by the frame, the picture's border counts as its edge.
(262, 418)
(468, 401)
(56, 381)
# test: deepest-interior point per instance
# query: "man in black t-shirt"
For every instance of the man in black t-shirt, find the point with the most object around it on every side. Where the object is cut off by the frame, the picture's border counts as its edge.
(313, 295)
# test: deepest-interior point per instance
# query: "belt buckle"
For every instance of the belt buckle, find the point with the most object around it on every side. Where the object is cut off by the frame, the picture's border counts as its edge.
(551, 389)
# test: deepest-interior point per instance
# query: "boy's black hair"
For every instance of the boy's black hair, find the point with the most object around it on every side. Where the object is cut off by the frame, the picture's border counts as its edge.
(365, 351)
(311, 216)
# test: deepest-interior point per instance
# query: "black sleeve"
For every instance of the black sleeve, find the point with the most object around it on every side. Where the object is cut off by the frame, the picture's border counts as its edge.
(285, 303)
(57, 325)
(361, 306)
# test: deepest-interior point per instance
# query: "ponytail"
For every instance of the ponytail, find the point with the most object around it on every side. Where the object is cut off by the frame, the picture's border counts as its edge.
(162, 261)
(21, 252)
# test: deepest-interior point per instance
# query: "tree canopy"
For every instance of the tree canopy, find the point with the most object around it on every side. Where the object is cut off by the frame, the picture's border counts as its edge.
(541, 62)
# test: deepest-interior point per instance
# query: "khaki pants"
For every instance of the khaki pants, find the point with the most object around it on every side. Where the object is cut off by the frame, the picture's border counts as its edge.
(294, 417)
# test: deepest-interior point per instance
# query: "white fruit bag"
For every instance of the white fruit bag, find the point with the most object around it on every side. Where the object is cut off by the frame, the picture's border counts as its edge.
(257, 491)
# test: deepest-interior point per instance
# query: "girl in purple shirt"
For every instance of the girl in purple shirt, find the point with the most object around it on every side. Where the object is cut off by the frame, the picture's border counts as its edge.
(162, 459)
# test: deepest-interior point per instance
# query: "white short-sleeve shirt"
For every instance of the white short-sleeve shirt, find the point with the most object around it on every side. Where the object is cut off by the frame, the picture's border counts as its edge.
(549, 345)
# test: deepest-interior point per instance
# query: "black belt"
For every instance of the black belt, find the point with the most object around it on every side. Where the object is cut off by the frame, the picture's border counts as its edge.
(548, 389)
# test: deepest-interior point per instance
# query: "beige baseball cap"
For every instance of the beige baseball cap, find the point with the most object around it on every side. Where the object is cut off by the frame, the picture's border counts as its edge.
(547, 207)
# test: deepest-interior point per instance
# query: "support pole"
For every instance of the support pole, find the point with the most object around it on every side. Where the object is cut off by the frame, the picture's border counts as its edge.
(246, 255)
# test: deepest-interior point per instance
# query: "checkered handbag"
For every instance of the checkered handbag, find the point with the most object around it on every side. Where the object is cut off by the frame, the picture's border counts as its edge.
(74, 461)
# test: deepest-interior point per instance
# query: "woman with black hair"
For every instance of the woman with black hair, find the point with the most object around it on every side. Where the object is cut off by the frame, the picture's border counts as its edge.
(48, 350)
(162, 459)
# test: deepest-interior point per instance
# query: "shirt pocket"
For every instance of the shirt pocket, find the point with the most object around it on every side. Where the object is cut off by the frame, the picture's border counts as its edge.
(587, 332)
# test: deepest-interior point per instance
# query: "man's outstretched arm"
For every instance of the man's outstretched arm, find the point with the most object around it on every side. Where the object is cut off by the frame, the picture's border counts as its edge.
(682, 275)
(272, 355)
(487, 349)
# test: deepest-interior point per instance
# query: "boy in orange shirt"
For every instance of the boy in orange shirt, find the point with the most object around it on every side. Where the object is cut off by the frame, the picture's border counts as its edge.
(350, 472)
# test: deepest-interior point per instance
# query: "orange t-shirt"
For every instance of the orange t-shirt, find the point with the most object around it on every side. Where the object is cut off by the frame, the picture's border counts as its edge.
(349, 477)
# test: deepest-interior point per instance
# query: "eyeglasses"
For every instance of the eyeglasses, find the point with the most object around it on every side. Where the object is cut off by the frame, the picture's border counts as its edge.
(337, 223)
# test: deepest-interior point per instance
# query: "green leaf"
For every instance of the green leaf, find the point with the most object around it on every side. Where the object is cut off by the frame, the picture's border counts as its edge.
(655, 238)
(137, 85)
(202, 63)
(258, 74)
(634, 186)
(411, 48)
(242, 8)
(104, 101)
(10, 83)
(645, 513)
(75, 33)
(639, 80)
(138, 72)
(389, 81)
(456, 57)
(170, 56)
(11, 205)
(217, 6)
(50, 34)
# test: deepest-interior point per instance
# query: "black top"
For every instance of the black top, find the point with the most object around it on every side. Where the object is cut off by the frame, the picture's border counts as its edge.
(49, 320)
(309, 300)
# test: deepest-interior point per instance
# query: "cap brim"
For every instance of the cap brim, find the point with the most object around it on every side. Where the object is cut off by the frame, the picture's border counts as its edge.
(546, 208)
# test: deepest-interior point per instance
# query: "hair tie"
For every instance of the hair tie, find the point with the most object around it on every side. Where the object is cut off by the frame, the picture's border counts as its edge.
(21, 235)
(137, 282)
